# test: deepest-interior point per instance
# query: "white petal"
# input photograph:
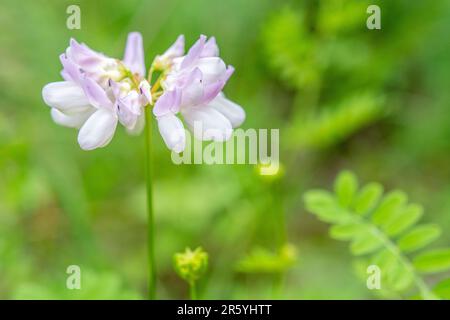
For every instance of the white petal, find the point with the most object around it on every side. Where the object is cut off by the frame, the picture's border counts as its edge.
(145, 90)
(232, 111)
(207, 123)
(71, 121)
(212, 68)
(172, 131)
(138, 126)
(98, 130)
(68, 97)
(129, 109)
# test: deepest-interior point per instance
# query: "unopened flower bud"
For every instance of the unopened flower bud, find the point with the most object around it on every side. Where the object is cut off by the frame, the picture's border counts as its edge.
(191, 265)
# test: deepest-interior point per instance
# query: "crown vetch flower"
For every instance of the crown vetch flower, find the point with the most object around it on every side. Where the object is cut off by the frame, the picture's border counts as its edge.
(193, 87)
(99, 91)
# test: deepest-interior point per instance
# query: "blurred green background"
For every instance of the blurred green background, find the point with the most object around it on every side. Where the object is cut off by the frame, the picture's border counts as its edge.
(343, 97)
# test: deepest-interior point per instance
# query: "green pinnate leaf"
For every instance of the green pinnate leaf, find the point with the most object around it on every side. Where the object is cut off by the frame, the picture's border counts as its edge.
(419, 237)
(366, 243)
(404, 219)
(389, 207)
(436, 260)
(375, 237)
(367, 198)
(345, 187)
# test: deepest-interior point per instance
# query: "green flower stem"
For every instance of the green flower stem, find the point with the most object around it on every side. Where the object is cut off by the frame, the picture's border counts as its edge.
(193, 290)
(150, 226)
(280, 229)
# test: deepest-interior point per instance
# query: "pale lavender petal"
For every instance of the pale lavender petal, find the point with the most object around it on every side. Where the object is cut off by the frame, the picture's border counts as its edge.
(176, 49)
(138, 126)
(98, 130)
(194, 52)
(207, 124)
(192, 91)
(167, 103)
(131, 103)
(70, 72)
(194, 75)
(95, 94)
(134, 54)
(115, 88)
(71, 121)
(211, 91)
(210, 49)
(144, 88)
(66, 96)
(129, 109)
(82, 55)
(212, 68)
(228, 73)
(232, 111)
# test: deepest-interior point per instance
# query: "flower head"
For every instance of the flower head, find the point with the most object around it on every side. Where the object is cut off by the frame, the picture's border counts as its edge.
(99, 91)
(193, 87)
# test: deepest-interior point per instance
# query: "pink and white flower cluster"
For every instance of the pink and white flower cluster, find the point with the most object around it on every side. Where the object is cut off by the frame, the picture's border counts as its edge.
(98, 92)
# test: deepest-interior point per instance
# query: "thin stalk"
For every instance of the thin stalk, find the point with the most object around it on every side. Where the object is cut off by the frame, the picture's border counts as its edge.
(281, 234)
(193, 290)
(150, 222)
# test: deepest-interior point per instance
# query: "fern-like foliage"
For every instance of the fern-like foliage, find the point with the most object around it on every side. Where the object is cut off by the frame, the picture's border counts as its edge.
(384, 230)
(335, 124)
(322, 51)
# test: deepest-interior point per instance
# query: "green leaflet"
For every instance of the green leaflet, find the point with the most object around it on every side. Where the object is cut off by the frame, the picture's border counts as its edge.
(419, 237)
(389, 207)
(382, 229)
(366, 243)
(403, 219)
(436, 260)
(347, 231)
(345, 187)
(367, 198)
(442, 289)
(324, 204)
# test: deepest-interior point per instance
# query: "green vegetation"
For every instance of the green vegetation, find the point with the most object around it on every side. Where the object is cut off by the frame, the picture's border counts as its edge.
(375, 102)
